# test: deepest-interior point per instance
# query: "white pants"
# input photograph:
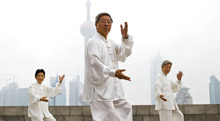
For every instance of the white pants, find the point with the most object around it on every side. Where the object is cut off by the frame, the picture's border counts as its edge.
(119, 110)
(51, 118)
(171, 115)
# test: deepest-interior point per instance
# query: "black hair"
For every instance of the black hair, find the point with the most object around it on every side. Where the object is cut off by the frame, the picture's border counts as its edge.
(100, 15)
(39, 71)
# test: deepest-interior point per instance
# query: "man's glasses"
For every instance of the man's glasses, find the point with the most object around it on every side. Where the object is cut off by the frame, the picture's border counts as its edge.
(104, 21)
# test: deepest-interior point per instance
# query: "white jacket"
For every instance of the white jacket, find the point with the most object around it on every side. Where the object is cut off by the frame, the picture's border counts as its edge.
(36, 107)
(164, 86)
(102, 58)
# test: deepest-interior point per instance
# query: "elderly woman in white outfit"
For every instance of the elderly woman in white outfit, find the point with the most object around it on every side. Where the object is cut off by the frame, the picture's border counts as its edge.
(164, 92)
(38, 98)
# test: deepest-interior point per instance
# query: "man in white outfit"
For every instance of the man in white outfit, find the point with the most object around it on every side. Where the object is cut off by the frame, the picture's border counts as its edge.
(38, 98)
(102, 84)
(164, 92)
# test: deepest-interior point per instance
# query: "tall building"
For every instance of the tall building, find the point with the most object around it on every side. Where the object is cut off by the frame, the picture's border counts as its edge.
(75, 87)
(214, 90)
(10, 94)
(183, 96)
(59, 100)
(87, 30)
(1, 97)
(22, 96)
(155, 68)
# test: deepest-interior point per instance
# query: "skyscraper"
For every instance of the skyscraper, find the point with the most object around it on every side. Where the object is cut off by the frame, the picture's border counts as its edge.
(75, 87)
(88, 30)
(59, 100)
(10, 94)
(214, 90)
(22, 96)
(155, 68)
(183, 96)
(1, 97)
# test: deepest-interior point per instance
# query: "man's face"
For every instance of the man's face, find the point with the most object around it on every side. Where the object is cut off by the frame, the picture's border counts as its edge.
(40, 77)
(166, 69)
(104, 25)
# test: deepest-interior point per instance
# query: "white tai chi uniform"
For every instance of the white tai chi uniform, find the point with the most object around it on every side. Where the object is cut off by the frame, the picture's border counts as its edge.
(101, 88)
(38, 110)
(168, 110)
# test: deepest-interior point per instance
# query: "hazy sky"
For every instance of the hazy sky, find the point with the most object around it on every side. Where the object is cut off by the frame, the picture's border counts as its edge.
(46, 34)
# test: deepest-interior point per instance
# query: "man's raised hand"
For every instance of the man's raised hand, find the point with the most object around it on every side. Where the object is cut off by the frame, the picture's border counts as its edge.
(124, 31)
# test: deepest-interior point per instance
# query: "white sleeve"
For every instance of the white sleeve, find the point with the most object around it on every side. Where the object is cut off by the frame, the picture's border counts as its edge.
(176, 86)
(125, 49)
(51, 91)
(158, 88)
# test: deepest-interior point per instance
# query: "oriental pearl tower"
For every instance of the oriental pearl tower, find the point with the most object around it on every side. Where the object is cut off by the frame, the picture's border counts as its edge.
(87, 29)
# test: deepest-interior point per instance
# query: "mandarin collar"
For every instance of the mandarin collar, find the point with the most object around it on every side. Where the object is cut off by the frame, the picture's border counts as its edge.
(101, 37)
(38, 84)
(163, 74)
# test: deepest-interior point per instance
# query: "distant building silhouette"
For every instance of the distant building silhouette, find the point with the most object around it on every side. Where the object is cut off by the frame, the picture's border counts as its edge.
(155, 68)
(22, 96)
(9, 95)
(214, 90)
(59, 100)
(75, 86)
(183, 96)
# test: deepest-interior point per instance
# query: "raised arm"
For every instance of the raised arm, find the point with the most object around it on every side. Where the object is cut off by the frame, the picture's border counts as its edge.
(51, 91)
(176, 86)
(125, 48)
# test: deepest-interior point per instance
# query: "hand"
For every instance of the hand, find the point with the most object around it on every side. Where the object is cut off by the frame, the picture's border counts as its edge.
(124, 32)
(180, 75)
(61, 78)
(120, 75)
(44, 99)
(162, 97)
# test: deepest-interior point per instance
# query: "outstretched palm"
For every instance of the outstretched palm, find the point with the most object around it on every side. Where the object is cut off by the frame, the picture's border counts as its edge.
(180, 75)
(61, 78)
(124, 31)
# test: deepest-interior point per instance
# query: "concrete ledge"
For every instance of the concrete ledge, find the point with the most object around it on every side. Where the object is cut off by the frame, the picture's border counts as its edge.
(211, 109)
(140, 113)
(1, 111)
(212, 117)
(194, 109)
(76, 110)
(63, 110)
(194, 117)
(86, 110)
(134, 110)
(153, 111)
(143, 110)
(12, 111)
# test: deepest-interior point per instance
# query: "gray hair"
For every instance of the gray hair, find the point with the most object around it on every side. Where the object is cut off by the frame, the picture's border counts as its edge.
(165, 63)
(102, 14)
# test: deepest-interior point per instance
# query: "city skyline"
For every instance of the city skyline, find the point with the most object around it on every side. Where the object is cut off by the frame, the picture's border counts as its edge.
(13, 95)
(46, 34)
